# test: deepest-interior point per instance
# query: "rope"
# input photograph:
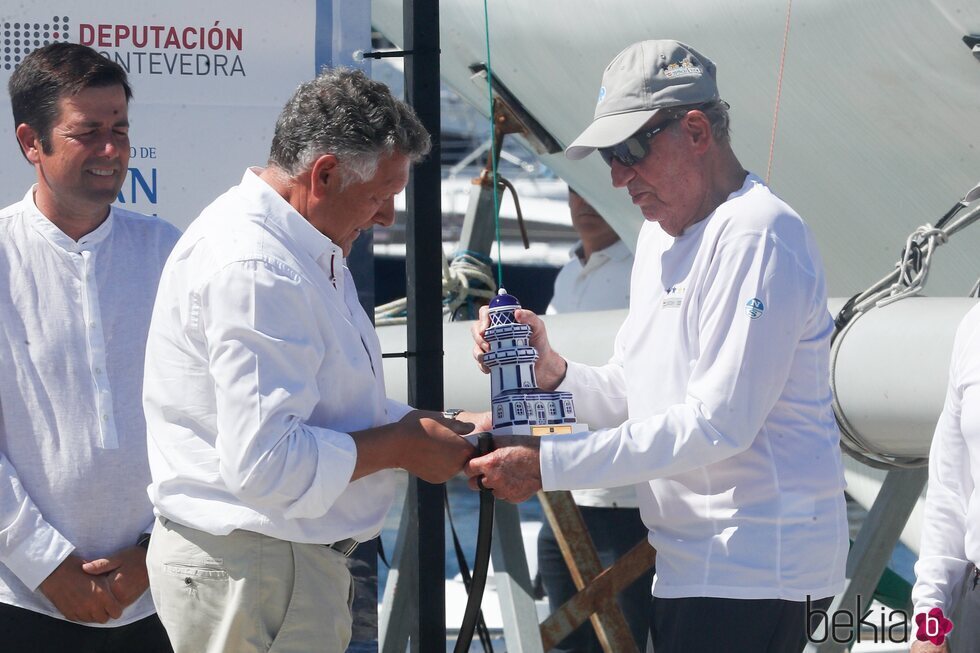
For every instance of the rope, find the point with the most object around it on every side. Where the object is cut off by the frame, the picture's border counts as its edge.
(907, 280)
(912, 270)
(468, 278)
(465, 281)
(779, 90)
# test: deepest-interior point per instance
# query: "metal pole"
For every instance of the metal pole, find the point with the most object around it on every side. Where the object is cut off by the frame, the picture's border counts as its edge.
(424, 278)
(870, 553)
(513, 582)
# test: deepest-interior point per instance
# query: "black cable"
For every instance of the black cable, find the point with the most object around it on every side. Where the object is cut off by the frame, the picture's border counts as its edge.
(381, 553)
(956, 208)
(464, 570)
(481, 562)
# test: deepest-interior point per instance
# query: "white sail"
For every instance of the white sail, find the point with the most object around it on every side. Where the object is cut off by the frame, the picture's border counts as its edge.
(862, 115)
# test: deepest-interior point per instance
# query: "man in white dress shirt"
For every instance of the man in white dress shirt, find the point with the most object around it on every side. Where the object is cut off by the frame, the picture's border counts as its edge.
(719, 379)
(77, 282)
(271, 440)
(597, 275)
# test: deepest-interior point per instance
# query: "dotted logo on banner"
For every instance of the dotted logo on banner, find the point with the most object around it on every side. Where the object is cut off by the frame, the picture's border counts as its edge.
(22, 38)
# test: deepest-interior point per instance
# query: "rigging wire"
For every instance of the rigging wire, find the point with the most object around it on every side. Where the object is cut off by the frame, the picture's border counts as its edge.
(473, 614)
(468, 280)
(779, 90)
(493, 149)
(906, 280)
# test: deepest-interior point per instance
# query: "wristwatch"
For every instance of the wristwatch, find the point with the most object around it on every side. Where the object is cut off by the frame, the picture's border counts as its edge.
(451, 413)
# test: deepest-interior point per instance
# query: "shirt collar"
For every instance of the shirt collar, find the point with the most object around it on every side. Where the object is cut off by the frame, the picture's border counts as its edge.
(58, 238)
(288, 220)
(618, 251)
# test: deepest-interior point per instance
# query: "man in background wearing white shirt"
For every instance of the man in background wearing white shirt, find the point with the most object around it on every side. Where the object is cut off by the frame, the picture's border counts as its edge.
(271, 440)
(597, 275)
(596, 278)
(719, 379)
(77, 282)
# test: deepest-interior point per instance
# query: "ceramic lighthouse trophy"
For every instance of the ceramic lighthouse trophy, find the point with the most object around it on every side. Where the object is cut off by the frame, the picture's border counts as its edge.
(518, 406)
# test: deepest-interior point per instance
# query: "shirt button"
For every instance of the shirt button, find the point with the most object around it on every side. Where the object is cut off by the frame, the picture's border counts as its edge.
(91, 325)
(98, 370)
(105, 418)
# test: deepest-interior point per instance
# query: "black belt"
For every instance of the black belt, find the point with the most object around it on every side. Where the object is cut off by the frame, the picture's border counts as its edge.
(344, 547)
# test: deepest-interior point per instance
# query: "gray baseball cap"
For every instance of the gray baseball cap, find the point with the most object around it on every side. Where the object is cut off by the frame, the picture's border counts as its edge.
(643, 79)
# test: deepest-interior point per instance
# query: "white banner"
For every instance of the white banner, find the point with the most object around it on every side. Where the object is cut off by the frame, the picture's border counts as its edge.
(208, 78)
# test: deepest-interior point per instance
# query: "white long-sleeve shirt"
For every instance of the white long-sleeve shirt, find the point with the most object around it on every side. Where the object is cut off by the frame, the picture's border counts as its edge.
(722, 368)
(73, 322)
(600, 284)
(950, 543)
(259, 362)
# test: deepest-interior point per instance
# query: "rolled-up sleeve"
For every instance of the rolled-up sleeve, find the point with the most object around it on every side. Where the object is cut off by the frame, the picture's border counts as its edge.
(397, 410)
(264, 352)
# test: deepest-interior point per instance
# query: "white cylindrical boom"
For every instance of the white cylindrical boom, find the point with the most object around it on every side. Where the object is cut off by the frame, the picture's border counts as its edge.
(891, 370)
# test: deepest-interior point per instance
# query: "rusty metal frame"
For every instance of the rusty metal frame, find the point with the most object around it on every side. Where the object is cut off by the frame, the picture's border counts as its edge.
(597, 587)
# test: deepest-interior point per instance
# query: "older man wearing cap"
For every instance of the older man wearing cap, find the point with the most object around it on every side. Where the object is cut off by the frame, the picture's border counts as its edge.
(719, 378)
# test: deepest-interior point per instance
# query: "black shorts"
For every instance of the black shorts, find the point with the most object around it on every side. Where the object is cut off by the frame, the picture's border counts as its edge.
(710, 625)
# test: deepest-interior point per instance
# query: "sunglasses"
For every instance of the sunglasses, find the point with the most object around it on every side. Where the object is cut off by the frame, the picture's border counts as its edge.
(636, 147)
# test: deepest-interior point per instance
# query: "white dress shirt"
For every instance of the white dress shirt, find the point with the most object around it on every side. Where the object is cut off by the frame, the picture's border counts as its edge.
(722, 367)
(259, 363)
(73, 322)
(950, 543)
(600, 284)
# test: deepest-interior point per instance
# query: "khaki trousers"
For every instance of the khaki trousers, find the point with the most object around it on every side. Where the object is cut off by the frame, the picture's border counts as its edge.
(246, 592)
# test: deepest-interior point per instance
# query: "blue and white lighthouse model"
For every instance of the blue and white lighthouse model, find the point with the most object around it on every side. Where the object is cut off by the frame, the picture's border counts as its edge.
(518, 406)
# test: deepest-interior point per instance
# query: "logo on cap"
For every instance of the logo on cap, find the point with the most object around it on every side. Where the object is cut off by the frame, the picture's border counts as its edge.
(685, 68)
(602, 94)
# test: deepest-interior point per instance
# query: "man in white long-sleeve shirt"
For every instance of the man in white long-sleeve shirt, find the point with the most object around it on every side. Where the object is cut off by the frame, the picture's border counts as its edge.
(271, 440)
(950, 546)
(596, 278)
(77, 282)
(719, 378)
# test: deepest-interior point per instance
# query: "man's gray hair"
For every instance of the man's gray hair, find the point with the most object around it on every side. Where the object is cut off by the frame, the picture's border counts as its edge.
(344, 113)
(717, 114)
